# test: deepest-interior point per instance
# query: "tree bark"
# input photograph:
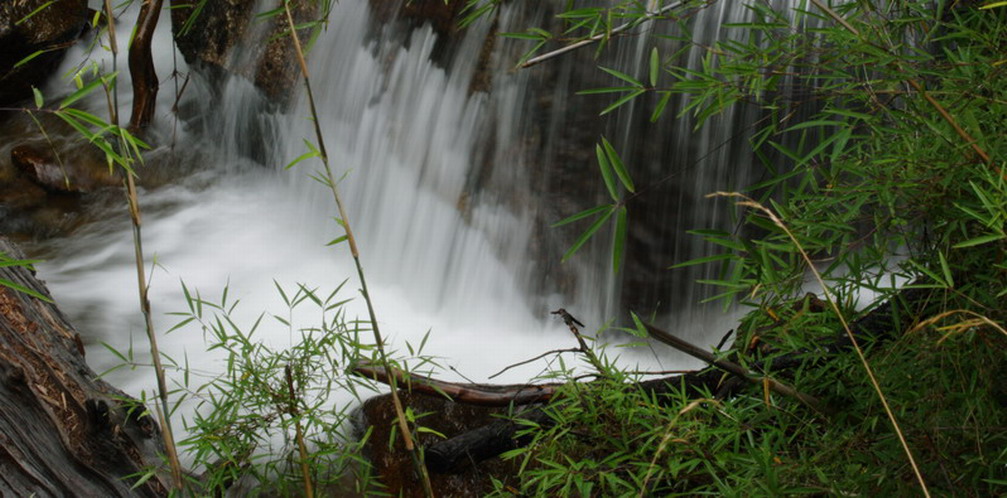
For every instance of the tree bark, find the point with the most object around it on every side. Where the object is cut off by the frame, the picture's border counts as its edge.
(62, 431)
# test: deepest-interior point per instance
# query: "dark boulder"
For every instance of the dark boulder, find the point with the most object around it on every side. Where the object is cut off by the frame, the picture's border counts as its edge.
(208, 40)
(48, 32)
(53, 174)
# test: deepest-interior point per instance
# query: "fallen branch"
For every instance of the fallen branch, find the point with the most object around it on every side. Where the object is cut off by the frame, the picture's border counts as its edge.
(472, 394)
(736, 369)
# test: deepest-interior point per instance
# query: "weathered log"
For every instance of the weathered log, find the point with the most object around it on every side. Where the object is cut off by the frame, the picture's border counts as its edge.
(470, 394)
(62, 431)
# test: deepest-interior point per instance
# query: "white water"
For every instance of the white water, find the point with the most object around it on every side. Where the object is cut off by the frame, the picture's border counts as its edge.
(439, 255)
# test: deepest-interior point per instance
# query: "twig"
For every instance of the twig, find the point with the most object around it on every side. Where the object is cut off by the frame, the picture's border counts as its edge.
(330, 179)
(651, 15)
(539, 357)
(736, 369)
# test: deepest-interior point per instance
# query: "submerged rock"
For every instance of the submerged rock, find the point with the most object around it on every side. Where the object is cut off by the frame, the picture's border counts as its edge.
(49, 171)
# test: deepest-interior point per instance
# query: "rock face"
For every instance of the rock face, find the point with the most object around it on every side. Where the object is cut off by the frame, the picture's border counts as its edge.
(50, 30)
(208, 39)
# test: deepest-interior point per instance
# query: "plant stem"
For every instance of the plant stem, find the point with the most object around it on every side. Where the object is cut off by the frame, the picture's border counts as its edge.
(134, 213)
(748, 202)
(309, 491)
(330, 180)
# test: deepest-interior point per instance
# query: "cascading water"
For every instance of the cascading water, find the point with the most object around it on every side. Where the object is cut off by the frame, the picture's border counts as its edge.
(450, 190)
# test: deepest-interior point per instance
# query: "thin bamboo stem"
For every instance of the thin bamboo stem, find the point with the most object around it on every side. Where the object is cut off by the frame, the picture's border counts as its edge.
(748, 202)
(330, 180)
(134, 213)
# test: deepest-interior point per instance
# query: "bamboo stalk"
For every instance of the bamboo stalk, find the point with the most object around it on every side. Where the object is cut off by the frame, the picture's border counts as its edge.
(145, 308)
(748, 202)
(302, 448)
(345, 222)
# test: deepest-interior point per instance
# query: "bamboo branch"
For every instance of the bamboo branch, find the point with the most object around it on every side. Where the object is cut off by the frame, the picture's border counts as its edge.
(736, 369)
(651, 15)
(330, 179)
(964, 135)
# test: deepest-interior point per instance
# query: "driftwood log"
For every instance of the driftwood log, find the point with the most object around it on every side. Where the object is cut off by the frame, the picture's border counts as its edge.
(725, 378)
(62, 431)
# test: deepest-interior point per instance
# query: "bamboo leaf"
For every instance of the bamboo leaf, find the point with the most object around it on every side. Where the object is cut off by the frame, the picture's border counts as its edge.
(622, 76)
(655, 66)
(616, 162)
(20, 288)
(39, 101)
(984, 239)
(626, 98)
(591, 230)
(84, 91)
(581, 215)
(606, 172)
(619, 242)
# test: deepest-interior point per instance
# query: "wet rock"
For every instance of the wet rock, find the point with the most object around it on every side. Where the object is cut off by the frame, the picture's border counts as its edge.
(443, 16)
(208, 39)
(58, 175)
(393, 466)
(50, 31)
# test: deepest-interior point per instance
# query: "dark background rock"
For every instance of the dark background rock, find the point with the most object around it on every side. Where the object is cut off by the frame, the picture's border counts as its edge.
(53, 29)
(222, 26)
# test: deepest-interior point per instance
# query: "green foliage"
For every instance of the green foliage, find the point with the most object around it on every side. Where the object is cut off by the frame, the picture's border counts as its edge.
(244, 425)
(878, 133)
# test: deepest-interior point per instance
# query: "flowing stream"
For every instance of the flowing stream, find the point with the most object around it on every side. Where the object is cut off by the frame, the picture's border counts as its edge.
(450, 186)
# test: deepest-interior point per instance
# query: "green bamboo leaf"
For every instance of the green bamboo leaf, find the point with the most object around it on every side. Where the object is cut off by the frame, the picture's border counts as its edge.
(702, 260)
(20, 288)
(39, 101)
(29, 58)
(626, 98)
(984, 239)
(337, 240)
(661, 105)
(591, 230)
(84, 91)
(606, 172)
(655, 66)
(993, 5)
(814, 123)
(619, 242)
(581, 215)
(32, 13)
(946, 270)
(622, 76)
(616, 162)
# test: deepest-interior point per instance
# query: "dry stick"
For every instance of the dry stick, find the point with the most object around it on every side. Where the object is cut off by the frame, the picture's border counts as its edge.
(400, 416)
(736, 369)
(748, 202)
(309, 491)
(141, 277)
(919, 88)
(601, 36)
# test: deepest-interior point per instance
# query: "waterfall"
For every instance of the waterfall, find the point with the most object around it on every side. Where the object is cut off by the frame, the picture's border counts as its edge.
(451, 185)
